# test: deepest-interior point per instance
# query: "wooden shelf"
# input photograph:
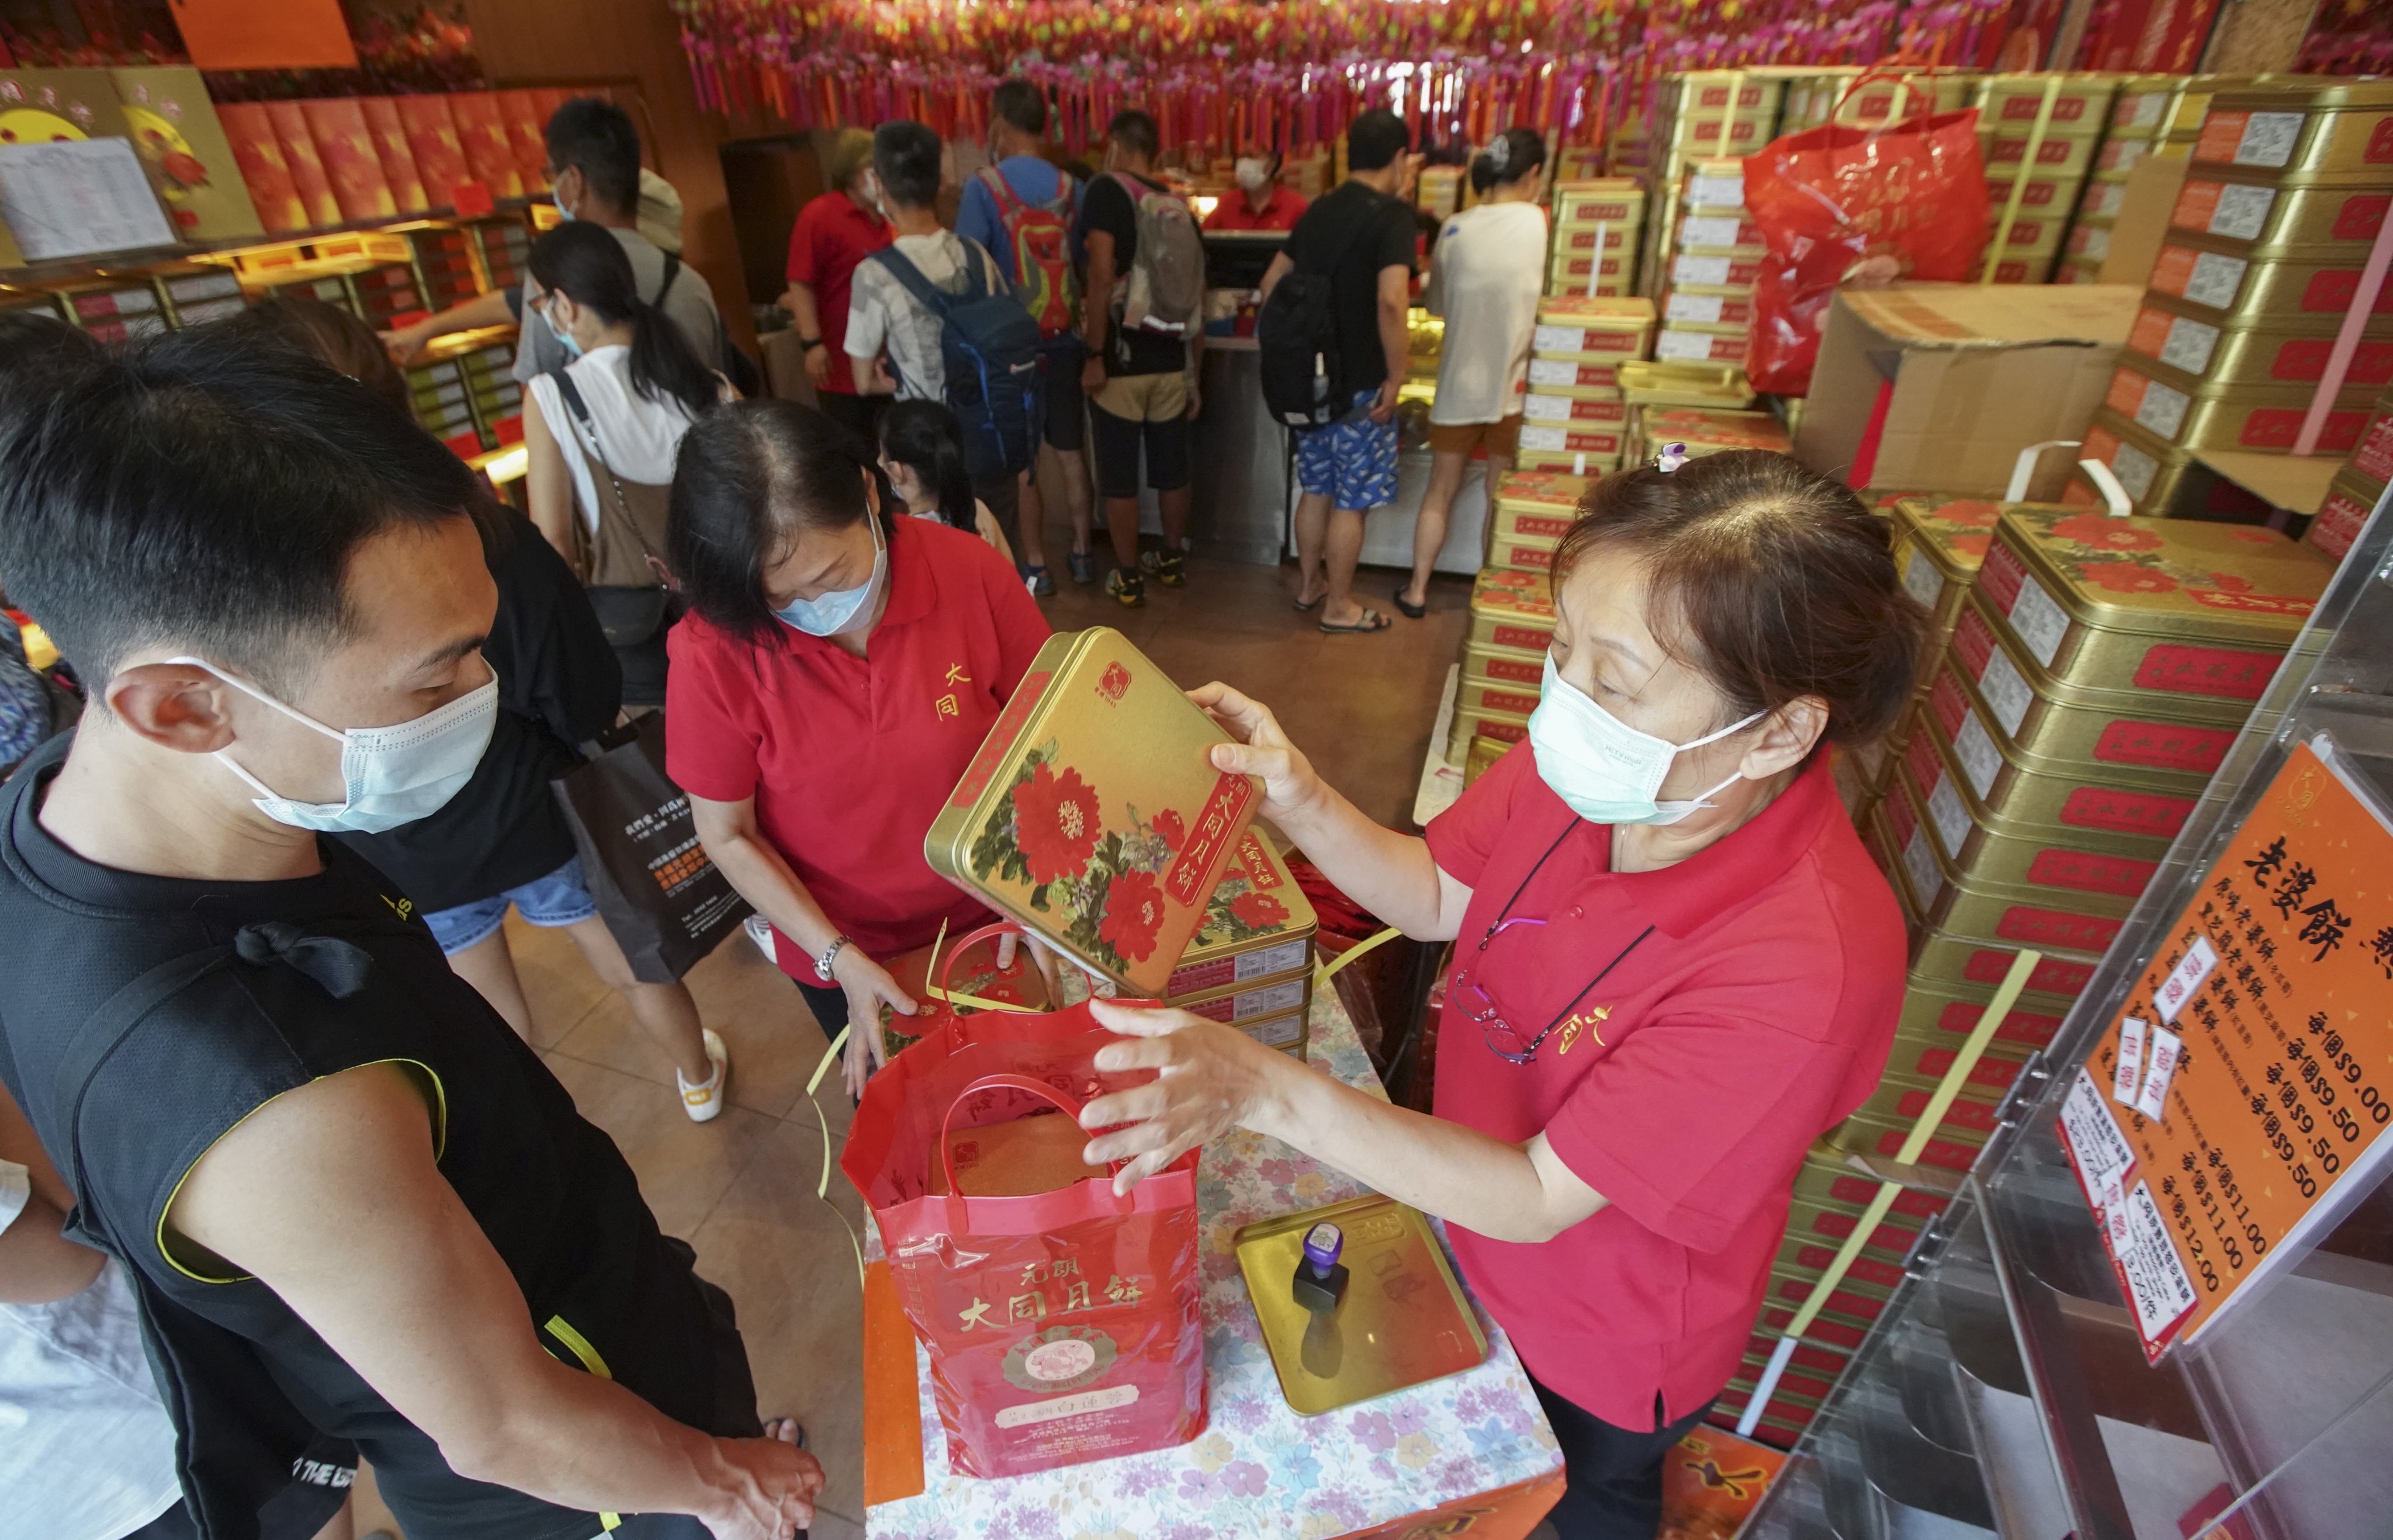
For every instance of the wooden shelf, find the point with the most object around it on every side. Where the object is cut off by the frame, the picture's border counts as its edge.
(2298, 483)
(142, 260)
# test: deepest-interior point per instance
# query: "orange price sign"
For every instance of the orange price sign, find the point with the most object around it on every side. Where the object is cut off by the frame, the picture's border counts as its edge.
(2248, 1077)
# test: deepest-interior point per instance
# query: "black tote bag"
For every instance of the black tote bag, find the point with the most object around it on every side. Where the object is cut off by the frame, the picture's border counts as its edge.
(667, 904)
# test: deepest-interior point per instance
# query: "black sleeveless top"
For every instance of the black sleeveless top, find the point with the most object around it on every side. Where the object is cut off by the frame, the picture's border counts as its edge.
(141, 1017)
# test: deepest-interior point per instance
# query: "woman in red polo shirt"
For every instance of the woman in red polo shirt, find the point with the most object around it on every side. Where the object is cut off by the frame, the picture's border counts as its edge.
(1674, 967)
(836, 230)
(838, 668)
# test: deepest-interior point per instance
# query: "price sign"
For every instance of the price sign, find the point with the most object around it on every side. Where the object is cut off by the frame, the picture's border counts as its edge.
(2211, 1147)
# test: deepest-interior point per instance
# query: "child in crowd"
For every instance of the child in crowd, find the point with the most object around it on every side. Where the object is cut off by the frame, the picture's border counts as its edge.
(923, 454)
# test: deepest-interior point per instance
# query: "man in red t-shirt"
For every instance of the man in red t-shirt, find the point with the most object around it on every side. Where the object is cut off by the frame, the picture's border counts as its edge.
(834, 232)
(1261, 202)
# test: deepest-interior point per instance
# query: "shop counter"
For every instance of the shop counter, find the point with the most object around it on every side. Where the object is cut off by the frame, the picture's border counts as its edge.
(1470, 1451)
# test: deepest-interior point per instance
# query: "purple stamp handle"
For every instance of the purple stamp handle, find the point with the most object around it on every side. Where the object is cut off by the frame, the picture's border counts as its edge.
(1322, 1245)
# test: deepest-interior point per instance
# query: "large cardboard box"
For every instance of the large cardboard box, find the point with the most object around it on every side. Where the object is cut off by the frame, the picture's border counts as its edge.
(1938, 386)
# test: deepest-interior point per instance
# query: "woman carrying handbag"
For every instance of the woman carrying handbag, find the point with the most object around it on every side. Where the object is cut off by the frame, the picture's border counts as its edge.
(602, 433)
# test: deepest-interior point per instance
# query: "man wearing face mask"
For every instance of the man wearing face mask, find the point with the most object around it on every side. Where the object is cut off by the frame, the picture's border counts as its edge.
(354, 1204)
(1261, 202)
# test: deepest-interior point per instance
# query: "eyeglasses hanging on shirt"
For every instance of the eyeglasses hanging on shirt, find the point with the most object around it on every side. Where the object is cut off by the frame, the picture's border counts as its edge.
(1469, 997)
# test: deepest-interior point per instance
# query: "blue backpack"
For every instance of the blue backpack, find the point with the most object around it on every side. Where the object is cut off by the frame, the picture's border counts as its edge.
(990, 347)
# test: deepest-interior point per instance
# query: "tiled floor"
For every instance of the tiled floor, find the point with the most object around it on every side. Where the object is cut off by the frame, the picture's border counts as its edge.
(741, 1189)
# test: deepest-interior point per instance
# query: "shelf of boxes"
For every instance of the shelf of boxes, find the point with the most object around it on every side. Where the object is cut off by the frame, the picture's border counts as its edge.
(2263, 260)
(1595, 223)
(2039, 136)
(2139, 117)
(1574, 418)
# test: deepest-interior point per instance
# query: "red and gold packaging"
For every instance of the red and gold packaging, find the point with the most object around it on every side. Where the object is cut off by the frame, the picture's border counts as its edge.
(344, 142)
(306, 163)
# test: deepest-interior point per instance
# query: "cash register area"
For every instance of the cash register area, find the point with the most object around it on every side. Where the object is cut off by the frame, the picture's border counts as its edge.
(741, 1189)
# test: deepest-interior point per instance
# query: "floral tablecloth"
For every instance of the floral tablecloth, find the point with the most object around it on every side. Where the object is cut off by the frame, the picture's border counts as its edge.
(1259, 1469)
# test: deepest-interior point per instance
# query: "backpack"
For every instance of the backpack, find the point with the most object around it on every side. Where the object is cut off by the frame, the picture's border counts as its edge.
(989, 345)
(1296, 340)
(1042, 258)
(1167, 277)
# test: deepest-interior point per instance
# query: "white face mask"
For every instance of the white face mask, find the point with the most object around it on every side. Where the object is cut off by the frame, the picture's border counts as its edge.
(1253, 173)
(1606, 771)
(394, 775)
(846, 610)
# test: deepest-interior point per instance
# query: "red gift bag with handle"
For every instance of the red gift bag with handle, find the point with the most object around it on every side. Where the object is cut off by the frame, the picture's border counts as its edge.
(1863, 205)
(1061, 1322)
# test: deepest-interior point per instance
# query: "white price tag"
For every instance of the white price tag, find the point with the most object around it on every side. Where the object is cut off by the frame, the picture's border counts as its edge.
(1921, 580)
(2135, 470)
(1560, 371)
(1268, 1000)
(2215, 280)
(2096, 243)
(1699, 269)
(2039, 621)
(2185, 978)
(1546, 409)
(2157, 1283)
(2268, 140)
(1544, 438)
(2095, 1143)
(1266, 960)
(1952, 818)
(2143, 111)
(1696, 345)
(1980, 761)
(2160, 1055)
(2107, 199)
(2161, 410)
(2189, 345)
(1927, 881)
(1559, 339)
(2128, 1076)
(2007, 694)
(1704, 309)
(1707, 231)
(2242, 212)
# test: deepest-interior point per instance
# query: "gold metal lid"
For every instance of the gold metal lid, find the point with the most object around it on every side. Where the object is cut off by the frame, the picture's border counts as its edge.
(1257, 908)
(2168, 576)
(1542, 491)
(1524, 598)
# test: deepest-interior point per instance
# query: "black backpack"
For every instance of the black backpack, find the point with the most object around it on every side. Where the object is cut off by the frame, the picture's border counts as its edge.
(990, 348)
(1305, 384)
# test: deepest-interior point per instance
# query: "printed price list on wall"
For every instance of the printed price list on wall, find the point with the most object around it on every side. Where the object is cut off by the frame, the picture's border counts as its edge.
(2247, 1079)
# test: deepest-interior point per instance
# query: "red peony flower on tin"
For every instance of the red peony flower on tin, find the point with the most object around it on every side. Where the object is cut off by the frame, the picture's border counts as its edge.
(1258, 910)
(2121, 578)
(2105, 533)
(1133, 913)
(1055, 823)
(1174, 831)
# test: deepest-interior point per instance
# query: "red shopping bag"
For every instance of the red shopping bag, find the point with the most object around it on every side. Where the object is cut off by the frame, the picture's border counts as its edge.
(1856, 204)
(1061, 1321)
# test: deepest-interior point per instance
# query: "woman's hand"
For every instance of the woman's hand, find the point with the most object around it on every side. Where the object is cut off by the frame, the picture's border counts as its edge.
(1290, 785)
(1213, 1078)
(868, 986)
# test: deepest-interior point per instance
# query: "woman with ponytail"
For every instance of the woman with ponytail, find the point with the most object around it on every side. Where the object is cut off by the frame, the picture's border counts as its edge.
(602, 433)
(1484, 279)
(923, 455)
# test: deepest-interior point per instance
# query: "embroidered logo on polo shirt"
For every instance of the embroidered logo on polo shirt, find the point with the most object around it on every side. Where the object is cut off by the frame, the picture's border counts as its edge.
(948, 705)
(1589, 1023)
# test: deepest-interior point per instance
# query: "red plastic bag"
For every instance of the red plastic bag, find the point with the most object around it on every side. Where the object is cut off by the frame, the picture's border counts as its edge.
(1856, 204)
(1062, 1325)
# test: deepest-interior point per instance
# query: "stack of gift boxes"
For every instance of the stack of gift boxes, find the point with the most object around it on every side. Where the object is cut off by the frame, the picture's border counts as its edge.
(2357, 488)
(2262, 263)
(124, 309)
(2140, 113)
(1512, 615)
(1250, 966)
(2039, 136)
(1574, 417)
(2097, 672)
(1597, 222)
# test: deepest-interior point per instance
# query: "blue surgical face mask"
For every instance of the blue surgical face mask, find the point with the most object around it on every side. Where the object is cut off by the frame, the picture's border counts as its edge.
(846, 610)
(564, 338)
(1606, 771)
(559, 199)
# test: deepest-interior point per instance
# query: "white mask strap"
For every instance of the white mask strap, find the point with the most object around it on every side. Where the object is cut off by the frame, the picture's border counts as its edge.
(254, 693)
(1715, 738)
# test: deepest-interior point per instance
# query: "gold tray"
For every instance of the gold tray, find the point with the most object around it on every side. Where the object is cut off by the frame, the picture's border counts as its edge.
(1403, 1321)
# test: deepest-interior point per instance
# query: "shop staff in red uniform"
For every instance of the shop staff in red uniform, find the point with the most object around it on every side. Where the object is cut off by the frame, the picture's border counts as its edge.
(1674, 966)
(838, 670)
(1261, 202)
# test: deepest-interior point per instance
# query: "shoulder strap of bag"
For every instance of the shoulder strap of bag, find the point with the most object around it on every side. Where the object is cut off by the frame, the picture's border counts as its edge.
(901, 267)
(1062, 206)
(585, 439)
(1008, 201)
(673, 270)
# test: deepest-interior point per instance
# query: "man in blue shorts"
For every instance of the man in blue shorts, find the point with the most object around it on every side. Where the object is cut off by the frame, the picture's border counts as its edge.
(1360, 237)
(1017, 130)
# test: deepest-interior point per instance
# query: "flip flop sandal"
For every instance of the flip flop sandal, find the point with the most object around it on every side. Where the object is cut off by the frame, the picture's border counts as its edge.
(1372, 620)
(1306, 607)
(1412, 610)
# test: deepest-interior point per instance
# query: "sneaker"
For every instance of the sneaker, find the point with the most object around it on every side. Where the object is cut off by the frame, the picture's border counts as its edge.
(1167, 568)
(703, 1102)
(1040, 582)
(760, 931)
(1084, 567)
(1128, 588)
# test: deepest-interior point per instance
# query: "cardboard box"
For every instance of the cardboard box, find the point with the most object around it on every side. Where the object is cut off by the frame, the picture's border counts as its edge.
(2142, 220)
(1938, 386)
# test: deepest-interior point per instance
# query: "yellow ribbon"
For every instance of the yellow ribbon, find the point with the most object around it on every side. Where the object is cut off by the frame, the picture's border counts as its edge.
(1324, 972)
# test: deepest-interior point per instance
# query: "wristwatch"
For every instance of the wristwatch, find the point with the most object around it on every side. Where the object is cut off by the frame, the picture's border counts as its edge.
(810, 344)
(830, 955)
